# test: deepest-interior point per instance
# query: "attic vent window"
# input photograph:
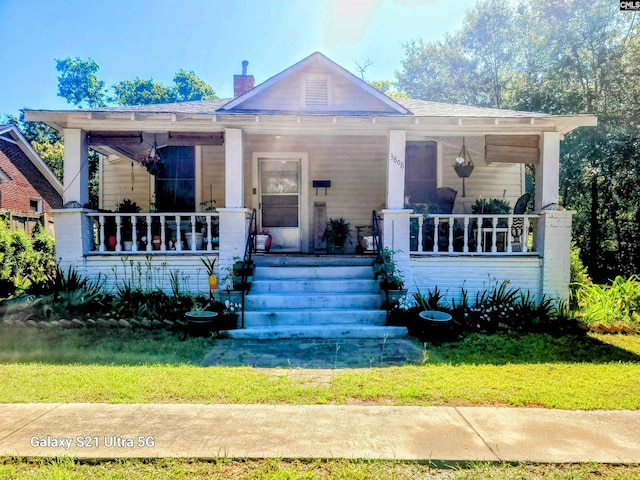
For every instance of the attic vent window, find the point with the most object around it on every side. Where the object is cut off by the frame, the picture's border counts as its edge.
(316, 91)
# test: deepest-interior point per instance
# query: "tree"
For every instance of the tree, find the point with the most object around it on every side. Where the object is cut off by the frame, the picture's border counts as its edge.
(189, 87)
(78, 83)
(559, 57)
(141, 92)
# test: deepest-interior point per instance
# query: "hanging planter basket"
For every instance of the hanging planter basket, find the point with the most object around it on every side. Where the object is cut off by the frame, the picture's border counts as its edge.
(463, 171)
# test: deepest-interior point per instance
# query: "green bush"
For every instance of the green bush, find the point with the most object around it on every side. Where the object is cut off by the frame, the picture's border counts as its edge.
(615, 304)
(27, 264)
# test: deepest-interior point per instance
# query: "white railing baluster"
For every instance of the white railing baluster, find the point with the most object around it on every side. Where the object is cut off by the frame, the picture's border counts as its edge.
(482, 234)
(134, 232)
(118, 235)
(149, 239)
(209, 239)
(178, 245)
(163, 234)
(101, 239)
(450, 249)
(465, 235)
(193, 233)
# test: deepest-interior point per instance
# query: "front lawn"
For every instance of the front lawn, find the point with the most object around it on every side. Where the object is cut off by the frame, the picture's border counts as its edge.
(588, 371)
(275, 469)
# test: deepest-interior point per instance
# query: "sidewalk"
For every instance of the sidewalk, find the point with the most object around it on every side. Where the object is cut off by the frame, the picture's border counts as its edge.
(444, 434)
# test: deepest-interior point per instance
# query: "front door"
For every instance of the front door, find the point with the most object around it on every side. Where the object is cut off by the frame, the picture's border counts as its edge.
(280, 202)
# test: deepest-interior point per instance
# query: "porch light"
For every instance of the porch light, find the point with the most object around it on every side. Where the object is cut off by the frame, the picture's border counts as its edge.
(153, 161)
(463, 165)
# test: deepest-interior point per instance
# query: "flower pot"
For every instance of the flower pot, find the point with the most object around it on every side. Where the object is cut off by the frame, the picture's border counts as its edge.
(463, 171)
(391, 298)
(433, 326)
(111, 242)
(263, 242)
(127, 245)
(198, 243)
(234, 296)
(201, 323)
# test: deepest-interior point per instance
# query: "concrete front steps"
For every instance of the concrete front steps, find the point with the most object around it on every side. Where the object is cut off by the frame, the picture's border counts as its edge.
(296, 296)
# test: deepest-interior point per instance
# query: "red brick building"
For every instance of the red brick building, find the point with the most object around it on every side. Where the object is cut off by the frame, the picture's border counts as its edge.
(28, 188)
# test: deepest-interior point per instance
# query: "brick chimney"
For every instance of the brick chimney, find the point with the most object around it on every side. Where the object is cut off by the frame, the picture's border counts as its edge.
(243, 83)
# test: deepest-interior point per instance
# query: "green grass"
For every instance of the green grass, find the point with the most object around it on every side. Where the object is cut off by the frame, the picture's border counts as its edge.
(274, 469)
(119, 346)
(153, 366)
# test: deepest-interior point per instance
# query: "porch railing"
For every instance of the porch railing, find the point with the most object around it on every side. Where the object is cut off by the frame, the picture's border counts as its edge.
(472, 234)
(154, 233)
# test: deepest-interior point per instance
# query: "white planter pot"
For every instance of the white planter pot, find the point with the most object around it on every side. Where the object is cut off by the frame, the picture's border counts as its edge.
(199, 237)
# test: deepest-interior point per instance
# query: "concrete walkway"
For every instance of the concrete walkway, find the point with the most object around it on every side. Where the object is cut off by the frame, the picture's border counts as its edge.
(446, 434)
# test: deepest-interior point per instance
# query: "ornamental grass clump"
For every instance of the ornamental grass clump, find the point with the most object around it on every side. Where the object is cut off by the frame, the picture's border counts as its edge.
(504, 309)
(615, 304)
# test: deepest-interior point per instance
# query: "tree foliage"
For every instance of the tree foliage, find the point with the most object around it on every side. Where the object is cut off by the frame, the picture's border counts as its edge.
(559, 57)
(78, 83)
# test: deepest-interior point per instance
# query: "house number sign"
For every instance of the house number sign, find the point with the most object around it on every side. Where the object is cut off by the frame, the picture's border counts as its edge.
(396, 160)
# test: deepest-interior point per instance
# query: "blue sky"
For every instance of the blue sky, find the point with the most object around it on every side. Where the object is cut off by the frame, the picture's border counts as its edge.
(156, 38)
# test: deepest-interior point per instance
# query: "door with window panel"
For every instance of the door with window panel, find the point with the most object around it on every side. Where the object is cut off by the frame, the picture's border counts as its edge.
(280, 202)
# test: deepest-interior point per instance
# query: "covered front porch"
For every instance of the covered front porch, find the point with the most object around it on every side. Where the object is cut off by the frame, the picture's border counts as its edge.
(361, 173)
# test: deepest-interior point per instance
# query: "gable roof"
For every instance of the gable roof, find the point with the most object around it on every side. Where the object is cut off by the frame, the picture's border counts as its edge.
(316, 59)
(9, 133)
(282, 96)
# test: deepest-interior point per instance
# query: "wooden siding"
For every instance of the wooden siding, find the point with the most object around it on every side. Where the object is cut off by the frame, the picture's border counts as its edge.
(488, 180)
(286, 95)
(213, 172)
(115, 184)
(114, 271)
(357, 171)
(475, 274)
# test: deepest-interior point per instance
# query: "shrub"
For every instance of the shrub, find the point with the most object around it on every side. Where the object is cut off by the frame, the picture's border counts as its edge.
(504, 309)
(618, 303)
(26, 263)
(579, 274)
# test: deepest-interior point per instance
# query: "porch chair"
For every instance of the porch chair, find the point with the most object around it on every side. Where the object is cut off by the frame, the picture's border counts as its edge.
(517, 226)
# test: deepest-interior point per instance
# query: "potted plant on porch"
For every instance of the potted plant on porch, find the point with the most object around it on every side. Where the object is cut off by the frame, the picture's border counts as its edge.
(336, 233)
(263, 240)
(389, 278)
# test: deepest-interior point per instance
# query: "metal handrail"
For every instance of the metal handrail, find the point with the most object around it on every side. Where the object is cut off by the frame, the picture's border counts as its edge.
(377, 234)
(250, 245)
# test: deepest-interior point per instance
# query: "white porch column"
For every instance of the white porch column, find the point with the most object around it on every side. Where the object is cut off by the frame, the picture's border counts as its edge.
(395, 169)
(548, 170)
(234, 168)
(554, 244)
(233, 236)
(76, 167)
(395, 219)
(396, 236)
(74, 237)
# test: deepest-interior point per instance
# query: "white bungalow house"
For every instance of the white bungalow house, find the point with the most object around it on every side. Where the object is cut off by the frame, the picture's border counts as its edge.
(315, 142)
